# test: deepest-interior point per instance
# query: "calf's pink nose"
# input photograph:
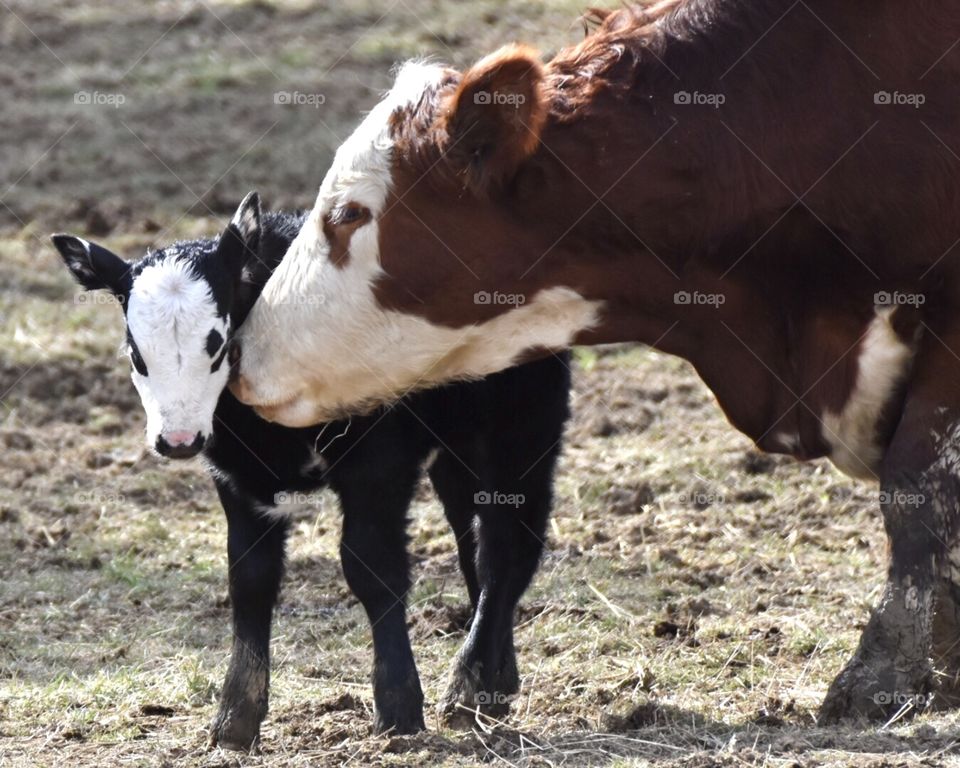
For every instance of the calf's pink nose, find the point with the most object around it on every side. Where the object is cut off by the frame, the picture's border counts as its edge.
(181, 437)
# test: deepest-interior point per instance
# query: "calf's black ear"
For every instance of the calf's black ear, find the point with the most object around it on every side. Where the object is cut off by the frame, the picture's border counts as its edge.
(240, 241)
(92, 265)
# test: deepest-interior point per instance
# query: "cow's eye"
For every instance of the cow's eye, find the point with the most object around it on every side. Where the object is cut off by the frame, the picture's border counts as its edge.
(351, 213)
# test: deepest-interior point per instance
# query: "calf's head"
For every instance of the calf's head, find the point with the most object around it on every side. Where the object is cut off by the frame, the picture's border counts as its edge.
(181, 304)
(404, 273)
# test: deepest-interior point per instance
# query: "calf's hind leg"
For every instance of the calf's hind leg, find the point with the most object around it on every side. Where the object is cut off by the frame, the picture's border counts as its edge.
(920, 493)
(255, 546)
(510, 538)
(456, 488)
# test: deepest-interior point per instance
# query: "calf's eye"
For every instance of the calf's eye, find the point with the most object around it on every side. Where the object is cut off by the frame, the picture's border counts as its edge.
(135, 358)
(214, 342)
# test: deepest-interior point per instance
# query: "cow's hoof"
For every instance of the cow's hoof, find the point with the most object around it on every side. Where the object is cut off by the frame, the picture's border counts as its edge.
(466, 695)
(874, 691)
(236, 728)
(946, 645)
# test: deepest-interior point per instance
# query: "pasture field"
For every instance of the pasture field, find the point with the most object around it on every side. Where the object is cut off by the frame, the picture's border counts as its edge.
(695, 600)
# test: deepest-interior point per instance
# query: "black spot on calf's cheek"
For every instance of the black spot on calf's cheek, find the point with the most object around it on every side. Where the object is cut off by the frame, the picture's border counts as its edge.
(214, 342)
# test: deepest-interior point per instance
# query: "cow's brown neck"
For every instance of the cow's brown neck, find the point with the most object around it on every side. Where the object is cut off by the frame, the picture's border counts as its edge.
(639, 200)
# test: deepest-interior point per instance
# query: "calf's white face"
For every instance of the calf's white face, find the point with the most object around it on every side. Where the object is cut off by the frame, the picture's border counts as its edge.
(176, 340)
(177, 305)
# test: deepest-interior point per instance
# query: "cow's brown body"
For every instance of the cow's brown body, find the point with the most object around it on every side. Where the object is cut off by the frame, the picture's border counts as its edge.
(803, 199)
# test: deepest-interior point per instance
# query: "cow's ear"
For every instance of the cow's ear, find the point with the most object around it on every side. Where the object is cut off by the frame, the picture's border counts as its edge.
(240, 242)
(493, 120)
(92, 265)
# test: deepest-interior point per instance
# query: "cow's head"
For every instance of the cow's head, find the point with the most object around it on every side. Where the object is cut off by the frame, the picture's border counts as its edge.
(181, 304)
(410, 269)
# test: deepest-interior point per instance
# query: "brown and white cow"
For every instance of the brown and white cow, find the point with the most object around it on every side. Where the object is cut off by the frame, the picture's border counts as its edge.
(767, 189)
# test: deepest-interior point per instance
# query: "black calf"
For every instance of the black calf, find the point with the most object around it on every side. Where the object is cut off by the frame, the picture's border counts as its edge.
(491, 448)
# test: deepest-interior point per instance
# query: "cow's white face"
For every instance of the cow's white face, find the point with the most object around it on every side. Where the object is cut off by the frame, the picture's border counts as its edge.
(178, 303)
(313, 289)
(176, 341)
(326, 338)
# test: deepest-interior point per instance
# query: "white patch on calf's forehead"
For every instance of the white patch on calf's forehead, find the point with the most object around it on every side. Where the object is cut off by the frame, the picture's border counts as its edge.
(170, 287)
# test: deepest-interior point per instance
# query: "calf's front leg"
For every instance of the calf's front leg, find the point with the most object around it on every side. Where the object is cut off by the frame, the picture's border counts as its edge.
(255, 545)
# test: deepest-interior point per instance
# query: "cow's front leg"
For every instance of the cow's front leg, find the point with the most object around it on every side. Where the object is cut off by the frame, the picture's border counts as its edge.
(255, 546)
(920, 495)
(946, 632)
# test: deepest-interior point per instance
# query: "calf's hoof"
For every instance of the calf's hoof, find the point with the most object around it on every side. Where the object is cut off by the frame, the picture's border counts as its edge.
(399, 708)
(236, 728)
(400, 723)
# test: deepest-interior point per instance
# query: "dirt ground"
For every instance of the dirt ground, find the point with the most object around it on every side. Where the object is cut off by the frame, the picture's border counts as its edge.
(696, 598)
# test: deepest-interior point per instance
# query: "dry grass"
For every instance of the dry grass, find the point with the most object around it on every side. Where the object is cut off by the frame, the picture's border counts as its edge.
(696, 598)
